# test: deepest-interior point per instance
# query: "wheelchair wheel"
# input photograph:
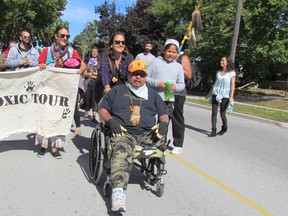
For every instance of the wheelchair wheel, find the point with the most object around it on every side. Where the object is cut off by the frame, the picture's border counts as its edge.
(96, 157)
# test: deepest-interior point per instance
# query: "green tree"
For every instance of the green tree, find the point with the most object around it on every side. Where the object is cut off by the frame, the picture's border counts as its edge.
(214, 41)
(39, 16)
(110, 21)
(141, 26)
(262, 41)
(87, 38)
(174, 15)
(264, 31)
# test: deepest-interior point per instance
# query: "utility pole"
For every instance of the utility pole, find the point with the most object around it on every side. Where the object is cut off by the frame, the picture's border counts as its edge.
(236, 29)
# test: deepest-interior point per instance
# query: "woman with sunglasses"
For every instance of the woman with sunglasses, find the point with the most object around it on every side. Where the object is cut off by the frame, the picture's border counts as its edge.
(54, 56)
(114, 62)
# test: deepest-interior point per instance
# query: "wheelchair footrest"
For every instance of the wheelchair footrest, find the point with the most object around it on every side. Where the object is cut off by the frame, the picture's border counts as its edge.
(147, 152)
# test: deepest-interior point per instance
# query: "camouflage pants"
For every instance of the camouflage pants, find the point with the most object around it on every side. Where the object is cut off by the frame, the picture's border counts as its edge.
(122, 155)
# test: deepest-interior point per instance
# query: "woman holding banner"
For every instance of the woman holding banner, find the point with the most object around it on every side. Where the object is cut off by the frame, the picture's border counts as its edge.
(55, 56)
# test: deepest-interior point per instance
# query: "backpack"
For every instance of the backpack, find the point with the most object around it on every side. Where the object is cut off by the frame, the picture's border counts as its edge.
(196, 76)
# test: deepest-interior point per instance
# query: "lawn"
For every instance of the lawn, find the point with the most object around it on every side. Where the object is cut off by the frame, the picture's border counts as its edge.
(276, 104)
(276, 115)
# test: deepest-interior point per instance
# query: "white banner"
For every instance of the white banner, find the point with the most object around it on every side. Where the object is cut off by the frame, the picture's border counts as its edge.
(38, 101)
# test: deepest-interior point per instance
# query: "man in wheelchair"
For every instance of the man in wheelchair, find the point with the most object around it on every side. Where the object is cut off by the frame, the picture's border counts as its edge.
(131, 111)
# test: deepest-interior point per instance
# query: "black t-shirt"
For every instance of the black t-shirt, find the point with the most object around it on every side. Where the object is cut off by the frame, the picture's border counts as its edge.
(117, 102)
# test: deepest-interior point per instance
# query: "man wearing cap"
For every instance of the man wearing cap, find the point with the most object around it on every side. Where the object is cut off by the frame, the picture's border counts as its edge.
(131, 111)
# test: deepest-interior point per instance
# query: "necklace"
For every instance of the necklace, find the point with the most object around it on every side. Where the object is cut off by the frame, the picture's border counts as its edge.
(135, 115)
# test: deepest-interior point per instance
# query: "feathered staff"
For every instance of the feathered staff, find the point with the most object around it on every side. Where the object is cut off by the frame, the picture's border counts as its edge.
(195, 24)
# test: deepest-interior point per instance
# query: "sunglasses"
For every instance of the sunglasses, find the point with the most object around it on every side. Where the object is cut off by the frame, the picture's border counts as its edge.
(119, 42)
(141, 74)
(64, 35)
(26, 37)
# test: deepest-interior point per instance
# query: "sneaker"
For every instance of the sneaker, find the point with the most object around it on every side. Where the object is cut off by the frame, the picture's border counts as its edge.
(176, 150)
(56, 154)
(41, 152)
(118, 200)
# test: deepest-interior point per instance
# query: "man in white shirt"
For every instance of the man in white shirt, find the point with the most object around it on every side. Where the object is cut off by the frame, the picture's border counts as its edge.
(146, 56)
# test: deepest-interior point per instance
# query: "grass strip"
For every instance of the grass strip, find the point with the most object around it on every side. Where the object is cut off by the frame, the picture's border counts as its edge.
(276, 115)
(277, 104)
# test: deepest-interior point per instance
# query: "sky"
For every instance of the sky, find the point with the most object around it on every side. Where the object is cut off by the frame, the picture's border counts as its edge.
(79, 12)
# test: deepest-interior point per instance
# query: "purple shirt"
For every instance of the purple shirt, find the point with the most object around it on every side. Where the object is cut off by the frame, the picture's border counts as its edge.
(105, 71)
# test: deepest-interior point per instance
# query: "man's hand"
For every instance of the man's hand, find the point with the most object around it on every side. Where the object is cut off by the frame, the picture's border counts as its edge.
(160, 129)
(116, 129)
(25, 62)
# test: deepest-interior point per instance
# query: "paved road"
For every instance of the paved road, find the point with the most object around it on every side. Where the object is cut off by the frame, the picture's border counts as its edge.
(243, 172)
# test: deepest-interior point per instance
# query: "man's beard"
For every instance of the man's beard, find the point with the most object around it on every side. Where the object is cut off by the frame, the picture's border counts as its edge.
(147, 50)
(25, 43)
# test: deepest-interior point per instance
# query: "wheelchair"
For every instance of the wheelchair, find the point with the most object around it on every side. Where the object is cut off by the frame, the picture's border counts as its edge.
(149, 159)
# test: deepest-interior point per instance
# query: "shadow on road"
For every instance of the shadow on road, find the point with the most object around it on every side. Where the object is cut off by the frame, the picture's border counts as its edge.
(18, 144)
(81, 143)
(136, 177)
(197, 129)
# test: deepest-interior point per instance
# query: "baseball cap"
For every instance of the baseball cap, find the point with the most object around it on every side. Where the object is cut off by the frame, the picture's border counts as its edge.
(172, 41)
(137, 65)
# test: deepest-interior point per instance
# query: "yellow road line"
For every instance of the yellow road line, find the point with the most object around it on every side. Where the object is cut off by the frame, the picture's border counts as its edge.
(224, 187)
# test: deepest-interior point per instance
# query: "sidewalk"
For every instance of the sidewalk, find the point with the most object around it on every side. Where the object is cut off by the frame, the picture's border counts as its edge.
(268, 121)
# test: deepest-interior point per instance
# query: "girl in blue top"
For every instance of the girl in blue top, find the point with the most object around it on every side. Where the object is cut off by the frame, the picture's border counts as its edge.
(222, 93)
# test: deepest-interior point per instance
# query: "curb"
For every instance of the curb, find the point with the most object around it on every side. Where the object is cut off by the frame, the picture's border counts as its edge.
(263, 120)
